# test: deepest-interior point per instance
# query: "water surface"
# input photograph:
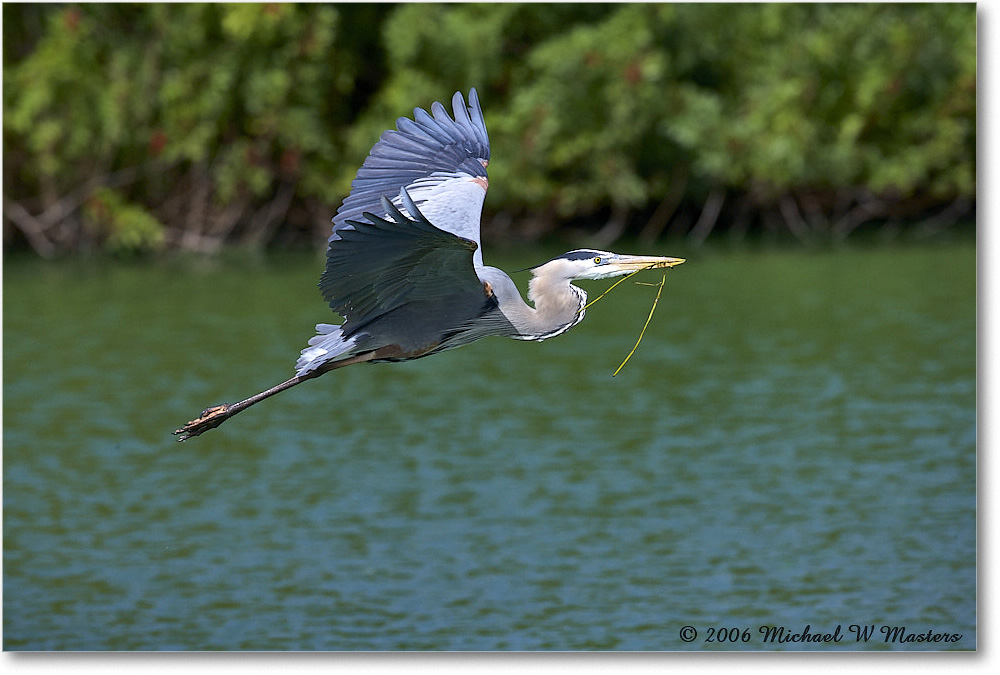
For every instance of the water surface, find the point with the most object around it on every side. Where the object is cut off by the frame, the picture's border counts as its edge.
(793, 444)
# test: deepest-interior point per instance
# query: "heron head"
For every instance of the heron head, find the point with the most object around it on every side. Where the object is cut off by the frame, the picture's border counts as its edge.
(586, 263)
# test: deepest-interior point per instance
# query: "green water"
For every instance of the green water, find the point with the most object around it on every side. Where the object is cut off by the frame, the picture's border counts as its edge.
(793, 444)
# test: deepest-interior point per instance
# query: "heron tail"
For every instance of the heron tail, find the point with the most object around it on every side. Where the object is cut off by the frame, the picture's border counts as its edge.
(328, 344)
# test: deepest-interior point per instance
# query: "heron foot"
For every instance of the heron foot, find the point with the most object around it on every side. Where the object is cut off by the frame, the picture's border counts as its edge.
(210, 418)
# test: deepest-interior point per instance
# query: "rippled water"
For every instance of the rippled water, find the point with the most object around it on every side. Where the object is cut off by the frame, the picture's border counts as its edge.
(793, 444)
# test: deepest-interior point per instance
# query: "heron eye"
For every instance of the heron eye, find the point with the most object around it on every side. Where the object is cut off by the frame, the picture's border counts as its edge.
(597, 260)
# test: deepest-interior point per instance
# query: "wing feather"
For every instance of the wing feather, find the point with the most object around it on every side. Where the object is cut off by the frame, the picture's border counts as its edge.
(441, 160)
(461, 111)
(383, 263)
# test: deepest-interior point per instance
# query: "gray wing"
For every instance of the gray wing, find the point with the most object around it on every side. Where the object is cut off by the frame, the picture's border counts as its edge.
(440, 161)
(381, 264)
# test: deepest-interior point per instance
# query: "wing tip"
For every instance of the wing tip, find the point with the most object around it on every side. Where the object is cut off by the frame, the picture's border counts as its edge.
(464, 130)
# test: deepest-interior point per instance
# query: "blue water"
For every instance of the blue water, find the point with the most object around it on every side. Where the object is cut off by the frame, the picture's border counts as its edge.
(792, 444)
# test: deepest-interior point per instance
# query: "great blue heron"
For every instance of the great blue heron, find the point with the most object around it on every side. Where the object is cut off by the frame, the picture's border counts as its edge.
(404, 265)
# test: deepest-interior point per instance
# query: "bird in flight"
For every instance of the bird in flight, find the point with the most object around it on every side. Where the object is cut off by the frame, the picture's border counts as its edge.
(404, 264)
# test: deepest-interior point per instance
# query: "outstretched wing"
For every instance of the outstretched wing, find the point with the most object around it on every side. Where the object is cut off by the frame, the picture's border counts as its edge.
(378, 265)
(440, 161)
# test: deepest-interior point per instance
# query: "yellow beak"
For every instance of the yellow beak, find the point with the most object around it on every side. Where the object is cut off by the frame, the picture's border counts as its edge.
(633, 263)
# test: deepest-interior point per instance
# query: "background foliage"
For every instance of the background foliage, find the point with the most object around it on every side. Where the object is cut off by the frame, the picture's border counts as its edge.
(143, 127)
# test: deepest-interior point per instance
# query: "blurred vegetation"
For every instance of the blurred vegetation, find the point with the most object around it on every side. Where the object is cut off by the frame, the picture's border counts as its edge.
(136, 128)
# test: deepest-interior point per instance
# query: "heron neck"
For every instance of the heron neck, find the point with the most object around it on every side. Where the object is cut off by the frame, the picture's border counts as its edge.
(558, 306)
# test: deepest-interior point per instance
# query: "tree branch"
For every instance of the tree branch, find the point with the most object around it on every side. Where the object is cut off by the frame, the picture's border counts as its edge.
(32, 227)
(709, 216)
(666, 209)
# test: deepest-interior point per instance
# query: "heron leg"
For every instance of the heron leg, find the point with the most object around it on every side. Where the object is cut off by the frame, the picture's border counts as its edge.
(210, 418)
(216, 415)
